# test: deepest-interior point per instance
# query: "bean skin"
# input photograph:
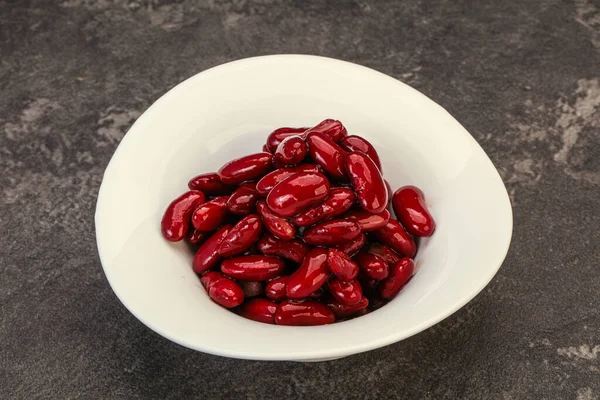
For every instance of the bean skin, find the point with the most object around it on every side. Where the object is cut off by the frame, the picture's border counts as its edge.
(367, 182)
(297, 192)
(241, 237)
(277, 136)
(347, 293)
(251, 289)
(385, 253)
(269, 181)
(306, 313)
(226, 293)
(294, 250)
(197, 237)
(400, 274)
(275, 289)
(261, 310)
(338, 201)
(327, 154)
(372, 266)
(278, 226)
(210, 215)
(176, 219)
(311, 275)
(210, 277)
(291, 151)
(394, 236)
(341, 265)
(253, 268)
(343, 311)
(210, 184)
(410, 208)
(243, 200)
(207, 255)
(331, 233)
(248, 168)
(367, 221)
(352, 246)
(357, 143)
(332, 128)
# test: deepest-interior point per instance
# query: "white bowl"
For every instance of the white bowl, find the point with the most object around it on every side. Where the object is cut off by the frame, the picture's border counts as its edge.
(226, 112)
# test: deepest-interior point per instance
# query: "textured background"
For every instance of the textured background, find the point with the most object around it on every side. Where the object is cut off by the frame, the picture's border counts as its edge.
(522, 76)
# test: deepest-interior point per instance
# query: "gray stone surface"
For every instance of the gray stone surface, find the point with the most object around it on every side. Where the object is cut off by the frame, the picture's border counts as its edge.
(522, 76)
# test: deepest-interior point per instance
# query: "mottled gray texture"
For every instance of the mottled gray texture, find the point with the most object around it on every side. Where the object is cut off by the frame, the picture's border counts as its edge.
(522, 76)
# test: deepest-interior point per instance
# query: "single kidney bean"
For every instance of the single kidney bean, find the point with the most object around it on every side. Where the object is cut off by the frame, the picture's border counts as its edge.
(210, 215)
(176, 219)
(226, 293)
(347, 293)
(343, 311)
(331, 232)
(331, 127)
(275, 289)
(197, 237)
(243, 200)
(278, 226)
(278, 135)
(341, 265)
(292, 150)
(400, 274)
(294, 250)
(269, 181)
(253, 268)
(306, 313)
(368, 221)
(311, 275)
(372, 266)
(297, 192)
(367, 182)
(248, 168)
(207, 255)
(327, 154)
(411, 211)
(210, 277)
(241, 237)
(251, 289)
(261, 310)
(210, 184)
(357, 143)
(394, 235)
(354, 245)
(338, 201)
(388, 255)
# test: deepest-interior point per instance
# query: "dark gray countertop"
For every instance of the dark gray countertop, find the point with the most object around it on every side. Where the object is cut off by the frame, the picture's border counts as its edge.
(522, 76)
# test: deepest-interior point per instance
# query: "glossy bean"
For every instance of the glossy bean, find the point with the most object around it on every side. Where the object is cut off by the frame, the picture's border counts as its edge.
(338, 201)
(372, 266)
(226, 293)
(176, 219)
(210, 277)
(197, 237)
(251, 289)
(327, 154)
(357, 143)
(248, 168)
(367, 182)
(261, 310)
(388, 255)
(410, 208)
(278, 226)
(297, 192)
(269, 181)
(265, 149)
(343, 311)
(292, 150)
(352, 246)
(311, 275)
(253, 268)
(210, 215)
(306, 313)
(394, 236)
(347, 293)
(243, 200)
(294, 250)
(368, 221)
(400, 274)
(242, 236)
(331, 127)
(207, 255)
(332, 232)
(341, 265)
(210, 184)
(275, 289)
(277, 136)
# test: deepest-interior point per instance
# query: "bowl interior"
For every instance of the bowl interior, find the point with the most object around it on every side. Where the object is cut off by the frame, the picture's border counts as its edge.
(227, 112)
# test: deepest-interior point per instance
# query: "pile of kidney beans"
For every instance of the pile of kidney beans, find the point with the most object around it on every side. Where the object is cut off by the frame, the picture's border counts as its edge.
(300, 234)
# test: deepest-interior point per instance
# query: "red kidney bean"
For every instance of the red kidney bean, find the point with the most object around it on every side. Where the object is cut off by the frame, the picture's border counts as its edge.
(176, 219)
(352, 246)
(241, 237)
(210, 215)
(294, 250)
(243, 200)
(331, 232)
(367, 182)
(275, 289)
(278, 135)
(265, 149)
(394, 235)
(368, 221)
(209, 278)
(348, 293)
(388, 255)
(343, 311)
(251, 289)
(253, 268)
(331, 127)
(248, 168)
(197, 237)
(207, 255)
(411, 211)
(327, 154)
(269, 181)
(311, 275)
(338, 201)
(226, 293)
(261, 310)
(297, 192)
(291, 151)
(400, 274)
(319, 293)
(372, 266)
(306, 313)
(278, 226)
(210, 184)
(357, 143)
(341, 265)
